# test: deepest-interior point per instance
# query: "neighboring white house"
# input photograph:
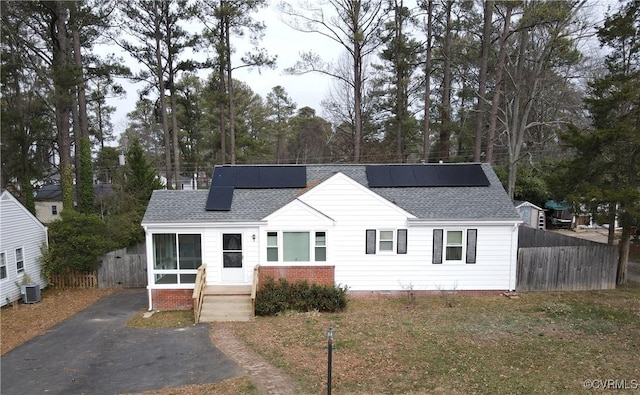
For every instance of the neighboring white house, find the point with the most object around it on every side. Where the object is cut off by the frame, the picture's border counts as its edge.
(373, 228)
(21, 237)
(531, 214)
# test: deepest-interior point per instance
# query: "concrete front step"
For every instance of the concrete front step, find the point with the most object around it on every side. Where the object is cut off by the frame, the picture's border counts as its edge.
(226, 308)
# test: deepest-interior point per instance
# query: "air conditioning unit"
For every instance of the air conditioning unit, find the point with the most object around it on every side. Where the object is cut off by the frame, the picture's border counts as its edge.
(31, 293)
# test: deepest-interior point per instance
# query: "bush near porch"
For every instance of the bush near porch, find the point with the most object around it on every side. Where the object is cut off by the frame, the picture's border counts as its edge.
(281, 296)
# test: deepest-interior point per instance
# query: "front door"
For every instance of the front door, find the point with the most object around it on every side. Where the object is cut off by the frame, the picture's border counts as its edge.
(232, 270)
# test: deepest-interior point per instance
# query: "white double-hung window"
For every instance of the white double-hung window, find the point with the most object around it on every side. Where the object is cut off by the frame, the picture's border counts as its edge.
(454, 245)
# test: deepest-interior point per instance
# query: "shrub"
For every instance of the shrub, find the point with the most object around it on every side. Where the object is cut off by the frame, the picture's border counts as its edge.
(75, 243)
(275, 297)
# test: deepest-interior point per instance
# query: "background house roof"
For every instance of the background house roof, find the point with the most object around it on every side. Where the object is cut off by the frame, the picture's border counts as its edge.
(53, 192)
(433, 203)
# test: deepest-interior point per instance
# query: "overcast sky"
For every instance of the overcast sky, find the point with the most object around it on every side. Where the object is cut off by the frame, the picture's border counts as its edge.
(281, 40)
(287, 43)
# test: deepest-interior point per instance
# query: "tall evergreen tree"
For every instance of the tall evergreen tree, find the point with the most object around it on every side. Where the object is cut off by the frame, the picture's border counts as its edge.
(606, 167)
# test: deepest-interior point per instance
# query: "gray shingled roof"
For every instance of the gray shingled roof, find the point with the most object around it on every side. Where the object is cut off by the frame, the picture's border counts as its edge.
(431, 203)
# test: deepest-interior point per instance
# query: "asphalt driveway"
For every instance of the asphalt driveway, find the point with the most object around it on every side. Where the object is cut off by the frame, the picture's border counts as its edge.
(94, 352)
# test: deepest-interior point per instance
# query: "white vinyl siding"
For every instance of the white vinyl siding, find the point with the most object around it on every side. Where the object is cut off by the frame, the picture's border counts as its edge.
(20, 230)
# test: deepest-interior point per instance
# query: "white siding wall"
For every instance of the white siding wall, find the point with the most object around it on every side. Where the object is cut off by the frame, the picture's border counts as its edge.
(353, 210)
(19, 229)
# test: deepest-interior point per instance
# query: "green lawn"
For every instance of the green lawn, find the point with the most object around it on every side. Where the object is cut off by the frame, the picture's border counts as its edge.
(539, 343)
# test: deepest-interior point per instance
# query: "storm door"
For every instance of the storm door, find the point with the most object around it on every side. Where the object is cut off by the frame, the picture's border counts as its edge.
(232, 270)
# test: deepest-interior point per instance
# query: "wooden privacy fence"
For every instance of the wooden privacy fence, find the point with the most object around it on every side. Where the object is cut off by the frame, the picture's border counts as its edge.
(552, 262)
(124, 268)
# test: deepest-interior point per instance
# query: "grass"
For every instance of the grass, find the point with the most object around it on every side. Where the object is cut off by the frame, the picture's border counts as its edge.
(539, 343)
(162, 319)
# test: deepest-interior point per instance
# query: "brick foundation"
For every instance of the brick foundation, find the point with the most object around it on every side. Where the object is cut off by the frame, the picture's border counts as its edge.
(323, 275)
(172, 299)
(402, 294)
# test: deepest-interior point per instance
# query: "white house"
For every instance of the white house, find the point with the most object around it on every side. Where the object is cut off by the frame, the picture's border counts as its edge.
(21, 237)
(373, 228)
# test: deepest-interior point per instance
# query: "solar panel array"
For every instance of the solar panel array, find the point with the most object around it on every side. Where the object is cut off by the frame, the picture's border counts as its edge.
(437, 175)
(226, 178)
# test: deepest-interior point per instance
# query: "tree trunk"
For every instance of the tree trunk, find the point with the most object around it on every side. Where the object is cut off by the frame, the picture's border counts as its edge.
(62, 98)
(83, 144)
(357, 101)
(445, 112)
(426, 130)
(495, 101)
(623, 259)
(161, 92)
(482, 83)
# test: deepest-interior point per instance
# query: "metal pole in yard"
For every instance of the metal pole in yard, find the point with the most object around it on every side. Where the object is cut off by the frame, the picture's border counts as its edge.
(329, 352)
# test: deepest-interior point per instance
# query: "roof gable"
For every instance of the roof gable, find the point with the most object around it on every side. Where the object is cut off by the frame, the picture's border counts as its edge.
(302, 212)
(348, 193)
(6, 196)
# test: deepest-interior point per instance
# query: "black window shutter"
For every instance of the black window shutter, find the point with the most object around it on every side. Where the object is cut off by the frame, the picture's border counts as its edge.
(402, 241)
(472, 239)
(371, 241)
(437, 246)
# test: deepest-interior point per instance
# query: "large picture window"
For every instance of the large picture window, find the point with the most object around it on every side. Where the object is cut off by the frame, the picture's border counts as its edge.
(176, 257)
(297, 246)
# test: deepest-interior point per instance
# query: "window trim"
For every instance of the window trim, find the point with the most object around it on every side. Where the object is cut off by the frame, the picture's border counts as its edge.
(373, 240)
(178, 272)
(460, 245)
(230, 251)
(439, 248)
(3, 266)
(275, 247)
(312, 245)
(19, 268)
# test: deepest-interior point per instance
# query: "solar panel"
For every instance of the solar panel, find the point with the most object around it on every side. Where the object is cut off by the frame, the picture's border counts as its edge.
(402, 176)
(219, 198)
(466, 175)
(224, 176)
(247, 177)
(378, 176)
(256, 177)
(294, 176)
(425, 175)
(436, 175)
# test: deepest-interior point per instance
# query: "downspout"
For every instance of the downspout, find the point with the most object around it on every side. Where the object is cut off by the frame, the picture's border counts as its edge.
(512, 285)
(150, 299)
(146, 244)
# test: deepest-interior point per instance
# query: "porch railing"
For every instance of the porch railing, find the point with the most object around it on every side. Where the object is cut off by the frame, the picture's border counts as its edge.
(198, 291)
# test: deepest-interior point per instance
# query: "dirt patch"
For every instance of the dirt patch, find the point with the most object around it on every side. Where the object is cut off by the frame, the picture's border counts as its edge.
(56, 306)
